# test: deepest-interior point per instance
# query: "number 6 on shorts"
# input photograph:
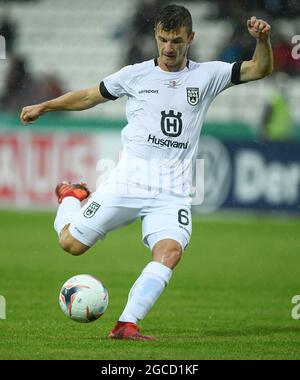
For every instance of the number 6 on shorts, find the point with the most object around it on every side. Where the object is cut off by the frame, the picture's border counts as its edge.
(183, 217)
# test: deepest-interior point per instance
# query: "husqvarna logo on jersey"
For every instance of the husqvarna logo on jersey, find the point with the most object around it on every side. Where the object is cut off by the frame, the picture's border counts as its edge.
(192, 94)
(171, 124)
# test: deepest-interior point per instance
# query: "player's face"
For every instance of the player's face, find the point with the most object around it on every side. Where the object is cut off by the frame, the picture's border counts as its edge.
(173, 47)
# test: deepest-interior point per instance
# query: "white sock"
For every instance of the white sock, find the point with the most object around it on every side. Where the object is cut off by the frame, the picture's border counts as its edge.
(145, 291)
(68, 207)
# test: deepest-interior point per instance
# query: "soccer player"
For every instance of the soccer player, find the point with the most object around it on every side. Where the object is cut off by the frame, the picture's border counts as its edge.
(168, 98)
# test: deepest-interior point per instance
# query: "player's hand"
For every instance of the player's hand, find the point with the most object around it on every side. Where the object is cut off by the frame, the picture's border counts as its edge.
(30, 114)
(259, 29)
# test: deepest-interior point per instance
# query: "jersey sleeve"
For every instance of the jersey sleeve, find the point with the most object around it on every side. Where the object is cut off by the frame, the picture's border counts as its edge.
(116, 85)
(220, 76)
(236, 73)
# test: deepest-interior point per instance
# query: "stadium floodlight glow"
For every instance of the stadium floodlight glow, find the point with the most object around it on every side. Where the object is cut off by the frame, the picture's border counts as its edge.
(2, 307)
(296, 48)
(2, 47)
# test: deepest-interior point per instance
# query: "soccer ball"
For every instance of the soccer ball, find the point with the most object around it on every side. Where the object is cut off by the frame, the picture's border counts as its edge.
(83, 298)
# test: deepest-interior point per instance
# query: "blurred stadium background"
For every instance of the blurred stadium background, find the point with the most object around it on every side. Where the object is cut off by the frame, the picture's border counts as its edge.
(251, 129)
(238, 300)
(252, 161)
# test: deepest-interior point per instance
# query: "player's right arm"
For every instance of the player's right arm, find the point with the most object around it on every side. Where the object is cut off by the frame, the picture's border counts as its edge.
(71, 101)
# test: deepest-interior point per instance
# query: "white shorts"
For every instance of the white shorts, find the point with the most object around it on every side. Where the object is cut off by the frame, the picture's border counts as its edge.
(162, 217)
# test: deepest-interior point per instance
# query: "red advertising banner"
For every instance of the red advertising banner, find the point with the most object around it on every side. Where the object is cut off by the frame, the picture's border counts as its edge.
(31, 165)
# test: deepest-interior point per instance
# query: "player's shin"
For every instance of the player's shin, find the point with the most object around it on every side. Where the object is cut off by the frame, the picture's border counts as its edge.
(145, 291)
(68, 207)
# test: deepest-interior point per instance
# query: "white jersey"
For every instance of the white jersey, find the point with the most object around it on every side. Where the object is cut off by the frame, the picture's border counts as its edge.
(165, 113)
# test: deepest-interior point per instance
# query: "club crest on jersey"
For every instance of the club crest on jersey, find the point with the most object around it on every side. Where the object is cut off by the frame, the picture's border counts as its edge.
(91, 210)
(192, 94)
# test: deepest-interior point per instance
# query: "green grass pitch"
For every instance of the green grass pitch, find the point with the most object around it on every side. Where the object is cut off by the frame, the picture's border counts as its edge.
(229, 298)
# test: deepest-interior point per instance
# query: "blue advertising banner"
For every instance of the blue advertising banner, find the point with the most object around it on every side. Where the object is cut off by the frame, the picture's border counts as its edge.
(250, 175)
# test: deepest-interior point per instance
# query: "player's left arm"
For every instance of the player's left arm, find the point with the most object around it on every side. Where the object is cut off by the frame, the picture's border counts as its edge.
(261, 63)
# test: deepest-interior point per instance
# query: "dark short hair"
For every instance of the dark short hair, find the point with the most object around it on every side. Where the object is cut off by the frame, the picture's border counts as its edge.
(173, 17)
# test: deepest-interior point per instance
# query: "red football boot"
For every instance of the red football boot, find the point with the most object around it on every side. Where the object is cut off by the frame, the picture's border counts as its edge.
(67, 189)
(129, 331)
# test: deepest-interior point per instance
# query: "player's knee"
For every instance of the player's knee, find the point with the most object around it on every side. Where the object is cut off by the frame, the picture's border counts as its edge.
(71, 248)
(167, 252)
(174, 255)
(71, 245)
